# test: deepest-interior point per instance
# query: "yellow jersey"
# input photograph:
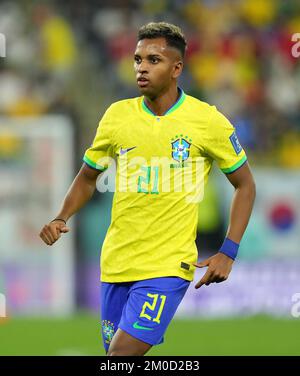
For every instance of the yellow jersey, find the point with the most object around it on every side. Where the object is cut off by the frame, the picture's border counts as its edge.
(162, 164)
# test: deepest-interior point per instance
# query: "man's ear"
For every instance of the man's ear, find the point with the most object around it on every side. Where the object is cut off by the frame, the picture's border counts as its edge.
(178, 66)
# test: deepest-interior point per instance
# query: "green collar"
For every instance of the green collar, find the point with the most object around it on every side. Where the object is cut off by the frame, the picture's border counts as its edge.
(174, 107)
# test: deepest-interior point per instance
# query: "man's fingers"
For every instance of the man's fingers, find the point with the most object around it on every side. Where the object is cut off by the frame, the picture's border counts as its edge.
(52, 232)
(202, 264)
(64, 229)
(218, 270)
(200, 283)
(57, 232)
(60, 228)
(45, 238)
(48, 233)
(221, 279)
(205, 280)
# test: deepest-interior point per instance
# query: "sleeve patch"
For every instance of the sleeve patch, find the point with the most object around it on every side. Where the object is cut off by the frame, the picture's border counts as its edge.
(235, 143)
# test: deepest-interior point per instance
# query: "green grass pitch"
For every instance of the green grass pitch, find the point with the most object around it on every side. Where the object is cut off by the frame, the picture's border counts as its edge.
(80, 335)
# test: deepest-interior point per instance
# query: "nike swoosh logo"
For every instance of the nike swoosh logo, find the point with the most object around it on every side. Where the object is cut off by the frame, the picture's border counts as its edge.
(123, 151)
(137, 326)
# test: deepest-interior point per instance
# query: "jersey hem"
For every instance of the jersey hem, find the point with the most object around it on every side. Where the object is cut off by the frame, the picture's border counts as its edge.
(92, 164)
(148, 276)
(235, 166)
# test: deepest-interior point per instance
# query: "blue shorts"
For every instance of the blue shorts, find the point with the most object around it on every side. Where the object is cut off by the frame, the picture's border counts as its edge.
(142, 309)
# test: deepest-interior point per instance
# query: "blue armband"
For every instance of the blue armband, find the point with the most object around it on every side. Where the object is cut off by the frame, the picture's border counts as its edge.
(229, 248)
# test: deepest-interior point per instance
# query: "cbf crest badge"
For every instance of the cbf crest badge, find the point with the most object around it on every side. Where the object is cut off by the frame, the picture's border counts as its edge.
(108, 330)
(180, 148)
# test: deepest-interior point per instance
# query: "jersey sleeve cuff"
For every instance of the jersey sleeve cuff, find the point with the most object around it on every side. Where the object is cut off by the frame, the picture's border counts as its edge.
(92, 164)
(235, 166)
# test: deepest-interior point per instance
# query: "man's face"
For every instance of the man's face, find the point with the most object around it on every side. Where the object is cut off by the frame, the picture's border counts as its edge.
(156, 66)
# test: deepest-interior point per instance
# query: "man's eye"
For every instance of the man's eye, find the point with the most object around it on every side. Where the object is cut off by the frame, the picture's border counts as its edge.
(154, 60)
(137, 60)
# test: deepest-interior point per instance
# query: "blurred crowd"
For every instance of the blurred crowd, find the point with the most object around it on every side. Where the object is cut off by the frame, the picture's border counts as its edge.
(76, 57)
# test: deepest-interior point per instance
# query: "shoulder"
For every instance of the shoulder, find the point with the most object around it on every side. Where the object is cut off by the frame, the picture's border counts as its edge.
(118, 111)
(199, 107)
(119, 107)
(207, 111)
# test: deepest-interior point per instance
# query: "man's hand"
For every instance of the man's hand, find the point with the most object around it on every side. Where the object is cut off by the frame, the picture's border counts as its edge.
(219, 267)
(51, 232)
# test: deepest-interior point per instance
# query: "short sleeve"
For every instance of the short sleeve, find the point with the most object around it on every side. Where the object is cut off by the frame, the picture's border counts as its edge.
(222, 144)
(99, 155)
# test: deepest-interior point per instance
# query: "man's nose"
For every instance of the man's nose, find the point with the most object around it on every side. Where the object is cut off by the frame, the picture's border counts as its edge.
(143, 67)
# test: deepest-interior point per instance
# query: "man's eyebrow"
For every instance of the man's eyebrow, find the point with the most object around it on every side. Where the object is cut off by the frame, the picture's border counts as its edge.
(154, 55)
(149, 56)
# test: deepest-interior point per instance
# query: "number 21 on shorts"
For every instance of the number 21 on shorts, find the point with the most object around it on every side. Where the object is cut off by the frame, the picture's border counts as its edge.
(157, 299)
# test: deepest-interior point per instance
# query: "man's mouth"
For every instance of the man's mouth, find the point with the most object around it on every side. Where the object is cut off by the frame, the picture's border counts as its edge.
(142, 81)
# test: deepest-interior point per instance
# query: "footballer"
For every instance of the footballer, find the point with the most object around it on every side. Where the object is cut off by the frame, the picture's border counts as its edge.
(149, 256)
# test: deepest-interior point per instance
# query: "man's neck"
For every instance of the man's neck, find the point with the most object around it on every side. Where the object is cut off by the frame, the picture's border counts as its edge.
(160, 105)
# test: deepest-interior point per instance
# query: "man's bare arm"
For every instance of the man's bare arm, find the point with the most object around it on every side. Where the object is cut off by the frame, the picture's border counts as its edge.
(220, 265)
(242, 202)
(80, 191)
